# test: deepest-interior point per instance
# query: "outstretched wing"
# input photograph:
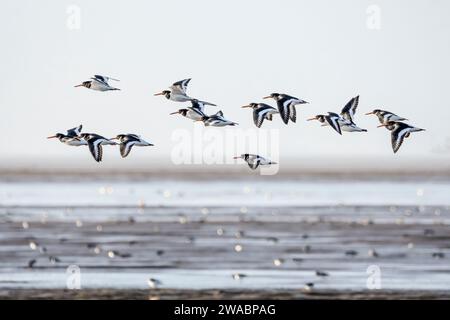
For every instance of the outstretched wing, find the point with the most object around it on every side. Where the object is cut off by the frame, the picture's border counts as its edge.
(397, 137)
(258, 117)
(75, 132)
(333, 122)
(349, 110)
(95, 146)
(253, 164)
(180, 86)
(218, 114)
(206, 103)
(125, 148)
(283, 109)
(292, 112)
(103, 79)
(196, 104)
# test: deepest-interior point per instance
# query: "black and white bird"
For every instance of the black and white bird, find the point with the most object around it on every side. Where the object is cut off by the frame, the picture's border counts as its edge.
(386, 116)
(331, 119)
(254, 160)
(99, 83)
(71, 138)
(95, 143)
(127, 141)
(261, 111)
(348, 113)
(217, 120)
(399, 131)
(177, 92)
(344, 121)
(196, 112)
(286, 106)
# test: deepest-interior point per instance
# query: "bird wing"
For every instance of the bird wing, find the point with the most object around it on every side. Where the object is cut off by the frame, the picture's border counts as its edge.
(292, 112)
(219, 114)
(283, 109)
(253, 163)
(397, 137)
(74, 132)
(125, 148)
(96, 149)
(196, 104)
(180, 86)
(258, 117)
(103, 79)
(332, 120)
(349, 109)
(197, 111)
(207, 103)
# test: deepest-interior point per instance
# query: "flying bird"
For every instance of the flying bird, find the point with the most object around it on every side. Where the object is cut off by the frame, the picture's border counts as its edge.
(331, 119)
(261, 111)
(343, 121)
(177, 92)
(286, 106)
(127, 141)
(386, 116)
(196, 112)
(348, 113)
(399, 131)
(71, 138)
(95, 143)
(254, 160)
(217, 120)
(99, 83)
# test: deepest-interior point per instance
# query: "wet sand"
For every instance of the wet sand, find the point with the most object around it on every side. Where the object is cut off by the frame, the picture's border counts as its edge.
(195, 256)
(233, 239)
(174, 294)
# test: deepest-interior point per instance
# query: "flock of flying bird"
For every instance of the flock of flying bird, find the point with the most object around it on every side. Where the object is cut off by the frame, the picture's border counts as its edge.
(286, 108)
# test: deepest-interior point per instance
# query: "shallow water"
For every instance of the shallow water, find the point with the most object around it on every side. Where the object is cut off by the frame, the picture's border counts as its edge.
(308, 225)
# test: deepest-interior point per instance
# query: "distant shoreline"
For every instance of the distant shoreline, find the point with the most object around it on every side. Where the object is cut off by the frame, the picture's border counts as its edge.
(218, 294)
(90, 174)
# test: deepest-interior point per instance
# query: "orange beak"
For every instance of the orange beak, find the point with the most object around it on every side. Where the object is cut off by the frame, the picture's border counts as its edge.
(381, 125)
(159, 94)
(51, 137)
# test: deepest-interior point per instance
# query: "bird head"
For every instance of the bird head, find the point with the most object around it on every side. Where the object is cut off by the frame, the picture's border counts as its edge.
(375, 111)
(250, 105)
(165, 93)
(319, 117)
(275, 96)
(86, 84)
(183, 112)
(58, 135)
(242, 156)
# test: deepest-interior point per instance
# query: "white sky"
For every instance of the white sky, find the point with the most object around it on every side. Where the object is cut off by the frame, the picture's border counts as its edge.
(236, 52)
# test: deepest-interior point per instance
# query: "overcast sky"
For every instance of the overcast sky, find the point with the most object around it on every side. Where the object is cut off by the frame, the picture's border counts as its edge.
(235, 52)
